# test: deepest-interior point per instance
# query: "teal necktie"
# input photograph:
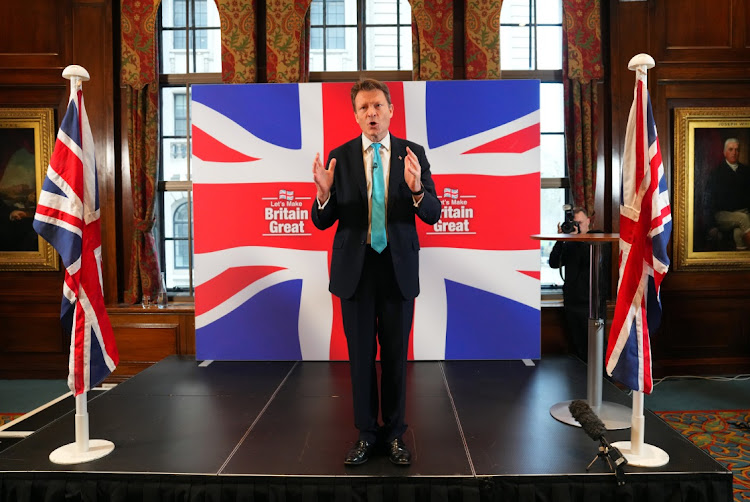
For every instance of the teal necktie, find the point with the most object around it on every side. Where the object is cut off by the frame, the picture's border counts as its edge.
(378, 239)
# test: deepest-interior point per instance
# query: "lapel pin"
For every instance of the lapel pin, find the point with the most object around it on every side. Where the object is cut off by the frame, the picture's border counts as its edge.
(399, 157)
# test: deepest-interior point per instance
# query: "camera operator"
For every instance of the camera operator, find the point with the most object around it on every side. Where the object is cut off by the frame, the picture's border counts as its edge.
(574, 256)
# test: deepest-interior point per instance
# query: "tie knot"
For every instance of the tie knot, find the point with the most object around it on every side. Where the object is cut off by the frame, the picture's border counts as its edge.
(376, 146)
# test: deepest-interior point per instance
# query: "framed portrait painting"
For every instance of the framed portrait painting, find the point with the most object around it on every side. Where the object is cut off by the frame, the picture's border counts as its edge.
(712, 188)
(26, 141)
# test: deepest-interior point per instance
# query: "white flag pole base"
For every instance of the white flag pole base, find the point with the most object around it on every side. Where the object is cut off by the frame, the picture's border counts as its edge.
(70, 454)
(650, 455)
(84, 449)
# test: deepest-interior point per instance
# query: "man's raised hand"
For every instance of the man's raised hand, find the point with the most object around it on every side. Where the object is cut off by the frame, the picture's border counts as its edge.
(412, 171)
(323, 178)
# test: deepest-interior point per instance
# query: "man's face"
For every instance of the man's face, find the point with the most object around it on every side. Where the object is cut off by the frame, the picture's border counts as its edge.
(373, 113)
(732, 153)
(583, 221)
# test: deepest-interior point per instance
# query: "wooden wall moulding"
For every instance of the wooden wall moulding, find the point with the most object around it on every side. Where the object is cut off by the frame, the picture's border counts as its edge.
(35, 35)
(700, 366)
(24, 333)
(24, 365)
(145, 337)
(708, 32)
(709, 330)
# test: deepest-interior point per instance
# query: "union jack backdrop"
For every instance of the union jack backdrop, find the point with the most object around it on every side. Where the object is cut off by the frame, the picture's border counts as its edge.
(67, 216)
(645, 227)
(262, 269)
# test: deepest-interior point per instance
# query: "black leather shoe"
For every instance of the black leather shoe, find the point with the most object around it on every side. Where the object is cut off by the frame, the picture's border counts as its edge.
(360, 453)
(398, 452)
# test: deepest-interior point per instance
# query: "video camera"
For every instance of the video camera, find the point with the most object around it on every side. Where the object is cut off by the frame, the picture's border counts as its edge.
(570, 225)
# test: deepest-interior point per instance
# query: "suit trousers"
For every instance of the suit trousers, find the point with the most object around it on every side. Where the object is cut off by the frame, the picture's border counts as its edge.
(577, 330)
(378, 314)
(728, 221)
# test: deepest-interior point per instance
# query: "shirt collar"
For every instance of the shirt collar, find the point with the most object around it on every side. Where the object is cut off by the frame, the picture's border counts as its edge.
(385, 142)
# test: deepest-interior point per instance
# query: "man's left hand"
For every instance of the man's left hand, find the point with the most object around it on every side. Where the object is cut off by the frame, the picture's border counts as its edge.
(412, 171)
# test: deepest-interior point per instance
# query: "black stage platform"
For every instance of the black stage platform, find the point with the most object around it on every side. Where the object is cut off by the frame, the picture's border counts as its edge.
(278, 431)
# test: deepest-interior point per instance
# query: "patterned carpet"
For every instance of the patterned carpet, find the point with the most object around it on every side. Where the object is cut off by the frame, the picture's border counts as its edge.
(724, 434)
(8, 417)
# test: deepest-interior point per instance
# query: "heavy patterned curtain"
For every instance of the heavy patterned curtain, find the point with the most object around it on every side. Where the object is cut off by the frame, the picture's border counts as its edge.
(238, 35)
(140, 77)
(432, 35)
(482, 39)
(287, 41)
(433, 39)
(582, 66)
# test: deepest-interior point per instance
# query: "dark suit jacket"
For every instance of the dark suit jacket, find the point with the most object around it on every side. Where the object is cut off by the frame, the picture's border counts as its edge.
(729, 190)
(575, 257)
(349, 205)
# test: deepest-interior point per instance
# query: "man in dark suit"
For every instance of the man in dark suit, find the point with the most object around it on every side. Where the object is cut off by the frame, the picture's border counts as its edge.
(374, 187)
(729, 191)
(575, 257)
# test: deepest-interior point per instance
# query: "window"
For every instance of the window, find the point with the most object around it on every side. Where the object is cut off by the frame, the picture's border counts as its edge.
(347, 35)
(199, 20)
(531, 47)
(328, 19)
(180, 15)
(190, 31)
(190, 53)
(180, 115)
(180, 237)
(190, 45)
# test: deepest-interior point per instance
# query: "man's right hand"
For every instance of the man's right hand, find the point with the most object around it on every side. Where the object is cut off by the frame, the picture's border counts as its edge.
(323, 178)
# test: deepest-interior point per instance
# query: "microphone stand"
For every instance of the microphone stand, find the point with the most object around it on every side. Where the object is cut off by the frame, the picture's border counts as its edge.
(611, 455)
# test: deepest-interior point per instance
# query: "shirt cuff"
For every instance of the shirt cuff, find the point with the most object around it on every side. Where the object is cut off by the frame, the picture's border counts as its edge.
(322, 206)
(417, 199)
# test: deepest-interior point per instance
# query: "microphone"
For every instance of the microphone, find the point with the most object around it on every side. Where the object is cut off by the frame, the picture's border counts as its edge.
(585, 416)
(595, 429)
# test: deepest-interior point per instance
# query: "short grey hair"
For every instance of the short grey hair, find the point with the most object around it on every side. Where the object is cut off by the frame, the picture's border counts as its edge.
(731, 140)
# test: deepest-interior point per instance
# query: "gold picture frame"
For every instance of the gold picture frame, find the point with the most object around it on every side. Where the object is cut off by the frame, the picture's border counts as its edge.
(701, 242)
(26, 142)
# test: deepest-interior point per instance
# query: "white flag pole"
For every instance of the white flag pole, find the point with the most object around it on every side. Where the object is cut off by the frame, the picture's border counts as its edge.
(83, 450)
(636, 451)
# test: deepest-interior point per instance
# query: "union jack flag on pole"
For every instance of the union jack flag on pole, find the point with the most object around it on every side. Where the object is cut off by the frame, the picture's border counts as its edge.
(645, 227)
(67, 216)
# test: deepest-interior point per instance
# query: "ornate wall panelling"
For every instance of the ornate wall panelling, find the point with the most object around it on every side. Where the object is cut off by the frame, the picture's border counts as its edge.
(145, 337)
(700, 32)
(40, 38)
(28, 45)
(93, 49)
(706, 326)
(703, 332)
